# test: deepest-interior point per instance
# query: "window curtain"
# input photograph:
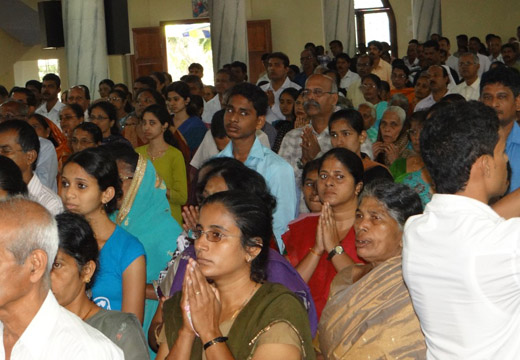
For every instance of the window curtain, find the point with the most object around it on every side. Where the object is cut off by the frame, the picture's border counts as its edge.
(85, 43)
(426, 16)
(339, 24)
(228, 32)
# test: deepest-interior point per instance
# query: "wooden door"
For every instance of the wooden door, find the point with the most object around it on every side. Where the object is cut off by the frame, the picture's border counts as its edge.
(259, 42)
(149, 51)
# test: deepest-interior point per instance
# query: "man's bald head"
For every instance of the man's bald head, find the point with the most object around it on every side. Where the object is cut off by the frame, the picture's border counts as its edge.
(13, 110)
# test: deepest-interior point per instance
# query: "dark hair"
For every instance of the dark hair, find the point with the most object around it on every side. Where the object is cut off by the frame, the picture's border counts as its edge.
(376, 43)
(31, 99)
(217, 125)
(419, 117)
(446, 39)
(121, 151)
(294, 68)
(453, 138)
(3, 91)
(92, 129)
(376, 79)
(98, 163)
(385, 86)
(197, 104)
(432, 44)
(504, 76)
(313, 165)
(164, 117)
(336, 42)
(400, 201)
(27, 137)
(192, 79)
(111, 112)
(124, 95)
(181, 88)
(160, 76)
(281, 56)
(351, 116)
(106, 82)
(349, 159)
(254, 219)
(43, 122)
(451, 98)
(148, 81)
(462, 37)
(345, 57)
(11, 179)
(35, 83)
(413, 41)
(159, 99)
(239, 64)
(265, 56)
(401, 66)
(195, 66)
(508, 46)
(52, 77)
(77, 109)
(77, 240)
(252, 93)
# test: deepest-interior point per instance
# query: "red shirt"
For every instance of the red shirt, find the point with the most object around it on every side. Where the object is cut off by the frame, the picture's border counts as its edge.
(298, 239)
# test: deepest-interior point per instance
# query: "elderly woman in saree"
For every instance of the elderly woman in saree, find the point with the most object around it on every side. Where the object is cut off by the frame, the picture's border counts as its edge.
(392, 140)
(144, 212)
(369, 313)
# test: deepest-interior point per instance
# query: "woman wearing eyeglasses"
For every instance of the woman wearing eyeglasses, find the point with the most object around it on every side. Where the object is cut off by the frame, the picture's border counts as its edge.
(104, 115)
(371, 89)
(237, 315)
(119, 99)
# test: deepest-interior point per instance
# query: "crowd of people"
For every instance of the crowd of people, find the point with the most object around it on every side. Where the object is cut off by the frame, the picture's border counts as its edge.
(356, 207)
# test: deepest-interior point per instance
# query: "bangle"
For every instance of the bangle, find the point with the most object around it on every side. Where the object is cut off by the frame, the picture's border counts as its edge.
(216, 340)
(314, 252)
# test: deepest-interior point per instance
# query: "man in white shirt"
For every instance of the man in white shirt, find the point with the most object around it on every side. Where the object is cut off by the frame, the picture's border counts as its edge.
(32, 323)
(461, 258)
(439, 81)
(495, 44)
(468, 69)
(224, 80)
(347, 77)
(277, 68)
(51, 106)
(80, 94)
(19, 142)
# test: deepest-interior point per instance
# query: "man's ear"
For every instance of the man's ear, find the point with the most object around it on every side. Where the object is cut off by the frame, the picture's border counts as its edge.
(260, 122)
(517, 102)
(37, 261)
(31, 156)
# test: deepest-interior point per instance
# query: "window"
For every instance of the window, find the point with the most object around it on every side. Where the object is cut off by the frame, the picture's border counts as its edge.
(47, 66)
(375, 20)
(186, 44)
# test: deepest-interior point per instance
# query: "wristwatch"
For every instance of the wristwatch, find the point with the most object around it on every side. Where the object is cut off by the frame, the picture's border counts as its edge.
(337, 250)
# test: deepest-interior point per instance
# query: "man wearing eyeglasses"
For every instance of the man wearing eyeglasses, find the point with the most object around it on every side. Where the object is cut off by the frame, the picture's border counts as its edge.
(302, 145)
(19, 142)
(80, 95)
(309, 62)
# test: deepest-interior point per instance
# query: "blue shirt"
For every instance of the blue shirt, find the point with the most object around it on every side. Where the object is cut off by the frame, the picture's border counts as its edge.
(279, 177)
(120, 250)
(513, 153)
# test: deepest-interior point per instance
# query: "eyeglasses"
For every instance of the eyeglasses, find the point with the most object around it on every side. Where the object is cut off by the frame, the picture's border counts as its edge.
(211, 235)
(303, 58)
(99, 118)
(317, 92)
(367, 86)
(112, 99)
(81, 141)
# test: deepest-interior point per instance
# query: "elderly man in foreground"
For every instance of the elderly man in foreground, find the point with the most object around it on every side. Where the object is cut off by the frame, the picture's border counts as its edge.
(32, 324)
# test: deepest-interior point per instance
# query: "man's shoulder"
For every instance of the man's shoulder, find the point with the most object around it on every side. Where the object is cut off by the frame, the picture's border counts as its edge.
(273, 159)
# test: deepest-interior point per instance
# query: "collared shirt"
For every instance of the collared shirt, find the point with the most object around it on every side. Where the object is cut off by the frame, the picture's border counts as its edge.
(54, 114)
(461, 262)
(44, 196)
(513, 153)
(498, 58)
(47, 164)
(470, 92)
(427, 102)
(274, 113)
(413, 66)
(384, 71)
(348, 79)
(56, 333)
(210, 108)
(291, 151)
(279, 178)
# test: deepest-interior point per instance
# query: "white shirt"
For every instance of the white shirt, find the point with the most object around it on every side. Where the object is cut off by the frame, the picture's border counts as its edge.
(498, 58)
(427, 102)
(210, 108)
(54, 114)
(47, 164)
(274, 113)
(470, 92)
(208, 148)
(57, 334)
(44, 196)
(348, 79)
(461, 263)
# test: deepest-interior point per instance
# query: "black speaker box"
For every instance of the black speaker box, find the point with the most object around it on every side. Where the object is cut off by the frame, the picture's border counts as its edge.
(117, 28)
(51, 24)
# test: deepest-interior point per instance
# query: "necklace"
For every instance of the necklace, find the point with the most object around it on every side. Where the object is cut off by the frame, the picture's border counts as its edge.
(245, 302)
(158, 155)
